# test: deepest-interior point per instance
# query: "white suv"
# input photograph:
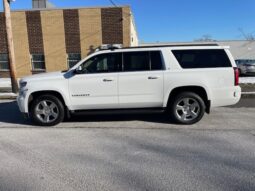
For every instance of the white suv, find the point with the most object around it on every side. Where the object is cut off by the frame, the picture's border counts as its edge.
(186, 81)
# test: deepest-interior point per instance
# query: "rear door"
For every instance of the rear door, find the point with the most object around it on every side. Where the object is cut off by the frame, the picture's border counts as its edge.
(141, 80)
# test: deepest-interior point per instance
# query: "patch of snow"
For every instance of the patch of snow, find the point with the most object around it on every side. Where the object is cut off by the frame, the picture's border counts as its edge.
(5, 82)
(247, 80)
(8, 94)
(247, 93)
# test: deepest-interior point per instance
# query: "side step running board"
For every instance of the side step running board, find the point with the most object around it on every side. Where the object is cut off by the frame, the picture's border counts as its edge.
(118, 111)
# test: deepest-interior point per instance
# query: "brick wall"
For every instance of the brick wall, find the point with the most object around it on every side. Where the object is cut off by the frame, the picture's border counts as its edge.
(3, 37)
(126, 14)
(21, 46)
(112, 25)
(90, 30)
(3, 43)
(72, 31)
(58, 32)
(4, 74)
(34, 29)
(54, 40)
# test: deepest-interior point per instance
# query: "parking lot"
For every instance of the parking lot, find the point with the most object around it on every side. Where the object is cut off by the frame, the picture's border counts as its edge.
(129, 152)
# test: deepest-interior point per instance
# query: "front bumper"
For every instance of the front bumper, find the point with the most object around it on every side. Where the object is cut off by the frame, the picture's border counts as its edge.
(21, 104)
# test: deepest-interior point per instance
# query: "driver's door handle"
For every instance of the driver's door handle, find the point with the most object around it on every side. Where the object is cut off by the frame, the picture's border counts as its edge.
(153, 77)
(107, 80)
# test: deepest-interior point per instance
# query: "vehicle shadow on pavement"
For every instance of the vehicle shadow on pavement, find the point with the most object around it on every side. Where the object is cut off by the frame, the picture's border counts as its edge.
(10, 114)
(153, 118)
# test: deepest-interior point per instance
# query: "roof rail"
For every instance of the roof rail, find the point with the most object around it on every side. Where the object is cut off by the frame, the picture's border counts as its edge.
(109, 47)
(119, 46)
(172, 45)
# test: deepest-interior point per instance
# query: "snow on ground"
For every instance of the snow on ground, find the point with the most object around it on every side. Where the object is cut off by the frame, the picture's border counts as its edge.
(5, 82)
(247, 80)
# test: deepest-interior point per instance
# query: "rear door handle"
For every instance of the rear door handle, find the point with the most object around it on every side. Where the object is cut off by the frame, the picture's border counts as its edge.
(153, 77)
(107, 80)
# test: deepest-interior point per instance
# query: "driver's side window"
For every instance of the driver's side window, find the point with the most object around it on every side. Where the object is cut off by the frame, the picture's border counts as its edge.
(103, 63)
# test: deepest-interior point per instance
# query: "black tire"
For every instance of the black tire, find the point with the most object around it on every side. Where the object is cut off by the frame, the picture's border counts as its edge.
(49, 99)
(173, 106)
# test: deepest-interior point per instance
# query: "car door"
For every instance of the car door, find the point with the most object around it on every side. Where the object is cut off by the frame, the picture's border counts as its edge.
(96, 84)
(141, 81)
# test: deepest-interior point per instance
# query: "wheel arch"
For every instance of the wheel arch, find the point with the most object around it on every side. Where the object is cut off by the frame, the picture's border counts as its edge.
(201, 91)
(35, 94)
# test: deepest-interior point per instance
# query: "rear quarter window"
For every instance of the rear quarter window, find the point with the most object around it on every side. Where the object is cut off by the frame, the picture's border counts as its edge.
(214, 58)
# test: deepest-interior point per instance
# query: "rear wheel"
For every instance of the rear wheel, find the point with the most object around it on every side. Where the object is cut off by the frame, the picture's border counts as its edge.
(47, 110)
(187, 108)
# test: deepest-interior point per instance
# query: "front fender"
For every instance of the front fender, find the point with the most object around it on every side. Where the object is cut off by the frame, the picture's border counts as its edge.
(29, 94)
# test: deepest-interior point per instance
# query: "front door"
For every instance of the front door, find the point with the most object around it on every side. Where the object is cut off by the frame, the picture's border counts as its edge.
(96, 85)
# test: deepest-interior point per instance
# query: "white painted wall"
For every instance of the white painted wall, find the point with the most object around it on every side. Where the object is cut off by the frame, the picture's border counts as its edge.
(133, 32)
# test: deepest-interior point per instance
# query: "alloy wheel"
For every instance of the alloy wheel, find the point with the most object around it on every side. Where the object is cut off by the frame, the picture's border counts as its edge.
(46, 111)
(187, 109)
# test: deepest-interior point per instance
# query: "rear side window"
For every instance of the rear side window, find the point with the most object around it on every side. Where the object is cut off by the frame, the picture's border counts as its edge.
(214, 58)
(136, 61)
(156, 60)
(142, 61)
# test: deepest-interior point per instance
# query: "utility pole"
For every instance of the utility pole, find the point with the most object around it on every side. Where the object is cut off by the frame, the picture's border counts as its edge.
(12, 63)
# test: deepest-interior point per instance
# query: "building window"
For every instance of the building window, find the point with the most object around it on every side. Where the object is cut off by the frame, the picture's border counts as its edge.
(4, 62)
(38, 62)
(73, 59)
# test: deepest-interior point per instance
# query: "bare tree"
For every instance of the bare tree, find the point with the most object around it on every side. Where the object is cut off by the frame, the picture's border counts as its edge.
(247, 36)
(205, 38)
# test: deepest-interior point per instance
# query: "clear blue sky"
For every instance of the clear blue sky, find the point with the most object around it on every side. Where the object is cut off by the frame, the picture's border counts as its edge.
(178, 20)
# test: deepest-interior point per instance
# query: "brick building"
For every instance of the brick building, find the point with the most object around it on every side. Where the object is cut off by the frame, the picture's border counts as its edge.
(55, 39)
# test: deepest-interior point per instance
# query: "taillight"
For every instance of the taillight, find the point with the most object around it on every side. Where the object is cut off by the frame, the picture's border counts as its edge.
(236, 72)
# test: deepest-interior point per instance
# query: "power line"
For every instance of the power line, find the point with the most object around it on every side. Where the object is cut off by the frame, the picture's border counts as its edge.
(112, 2)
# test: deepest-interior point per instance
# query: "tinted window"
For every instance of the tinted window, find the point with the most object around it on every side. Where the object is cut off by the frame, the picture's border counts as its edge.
(156, 60)
(136, 61)
(202, 58)
(142, 61)
(103, 63)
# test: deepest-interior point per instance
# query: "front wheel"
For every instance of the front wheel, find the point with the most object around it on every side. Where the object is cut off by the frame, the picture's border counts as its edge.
(47, 110)
(187, 108)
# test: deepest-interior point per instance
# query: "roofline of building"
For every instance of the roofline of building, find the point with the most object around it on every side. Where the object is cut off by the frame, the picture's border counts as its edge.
(197, 42)
(66, 8)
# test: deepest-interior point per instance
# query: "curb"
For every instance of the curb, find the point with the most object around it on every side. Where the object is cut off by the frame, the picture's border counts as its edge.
(8, 96)
(248, 95)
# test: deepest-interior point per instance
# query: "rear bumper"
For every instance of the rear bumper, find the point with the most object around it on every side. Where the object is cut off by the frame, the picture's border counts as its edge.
(226, 96)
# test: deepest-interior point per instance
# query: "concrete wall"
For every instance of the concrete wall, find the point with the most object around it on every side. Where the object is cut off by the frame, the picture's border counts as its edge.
(240, 49)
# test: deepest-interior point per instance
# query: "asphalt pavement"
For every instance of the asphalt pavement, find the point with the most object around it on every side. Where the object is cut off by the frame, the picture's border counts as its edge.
(129, 152)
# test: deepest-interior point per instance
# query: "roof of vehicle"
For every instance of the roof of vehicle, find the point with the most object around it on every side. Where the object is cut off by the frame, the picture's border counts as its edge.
(173, 45)
(158, 47)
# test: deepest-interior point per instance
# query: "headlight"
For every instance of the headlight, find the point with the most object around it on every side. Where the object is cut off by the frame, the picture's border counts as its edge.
(22, 84)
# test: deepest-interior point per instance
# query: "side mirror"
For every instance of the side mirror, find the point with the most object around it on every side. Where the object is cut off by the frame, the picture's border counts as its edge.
(78, 70)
